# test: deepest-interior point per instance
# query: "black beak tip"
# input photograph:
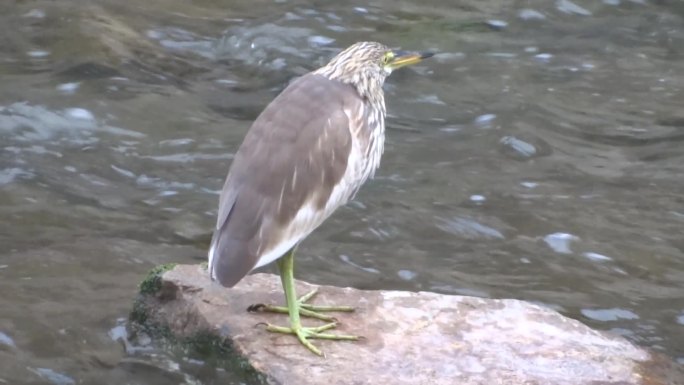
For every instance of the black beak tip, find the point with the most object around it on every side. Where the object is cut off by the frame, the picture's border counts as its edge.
(425, 55)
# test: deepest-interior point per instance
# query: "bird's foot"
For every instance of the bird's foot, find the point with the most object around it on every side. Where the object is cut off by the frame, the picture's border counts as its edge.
(304, 333)
(305, 309)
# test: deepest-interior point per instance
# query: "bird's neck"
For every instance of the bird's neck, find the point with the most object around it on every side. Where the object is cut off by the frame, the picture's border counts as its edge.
(368, 86)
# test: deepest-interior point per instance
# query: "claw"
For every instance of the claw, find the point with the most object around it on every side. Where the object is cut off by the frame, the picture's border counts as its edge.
(257, 307)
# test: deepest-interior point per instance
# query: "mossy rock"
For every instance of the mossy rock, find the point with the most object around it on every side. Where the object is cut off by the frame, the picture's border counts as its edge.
(138, 314)
(149, 286)
(216, 351)
(152, 283)
(209, 347)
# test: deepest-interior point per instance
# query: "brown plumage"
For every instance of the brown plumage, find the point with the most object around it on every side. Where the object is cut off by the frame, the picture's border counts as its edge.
(279, 169)
(306, 154)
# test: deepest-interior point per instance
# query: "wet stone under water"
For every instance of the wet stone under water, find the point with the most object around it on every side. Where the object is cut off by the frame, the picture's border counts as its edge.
(538, 156)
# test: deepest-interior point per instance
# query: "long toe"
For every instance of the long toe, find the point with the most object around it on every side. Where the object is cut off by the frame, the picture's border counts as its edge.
(305, 333)
(305, 309)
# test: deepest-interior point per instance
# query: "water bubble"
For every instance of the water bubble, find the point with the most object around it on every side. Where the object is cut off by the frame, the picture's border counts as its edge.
(497, 24)
(79, 113)
(446, 57)
(505, 55)
(468, 228)
(348, 260)
(68, 88)
(612, 314)
(519, 146)
(597, 256)
(53, 376)
(38, 53)
(6, 340)
(118, 333)
(560, 242)
(451, 129)
(568, 6)
(226, 81)
(545, 57)
(176, 142)
(337, 28)
(154, 34)
(35, 13)
(485, 120)
(407, 275)
(122, 171)
(9, 175)
(530, 14)
(320, 40)
(431, 99)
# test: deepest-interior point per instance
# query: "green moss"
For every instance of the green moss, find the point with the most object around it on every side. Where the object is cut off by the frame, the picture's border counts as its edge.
(205, 346)
(220, 353)
(139, 312)
(152, 283)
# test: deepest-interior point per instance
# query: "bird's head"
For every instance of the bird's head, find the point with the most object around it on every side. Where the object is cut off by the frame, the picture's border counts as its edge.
(366, 64)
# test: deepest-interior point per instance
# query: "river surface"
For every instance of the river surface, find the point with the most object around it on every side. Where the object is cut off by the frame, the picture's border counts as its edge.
(539, 156)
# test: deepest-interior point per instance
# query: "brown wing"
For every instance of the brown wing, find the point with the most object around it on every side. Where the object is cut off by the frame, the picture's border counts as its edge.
(290, 161)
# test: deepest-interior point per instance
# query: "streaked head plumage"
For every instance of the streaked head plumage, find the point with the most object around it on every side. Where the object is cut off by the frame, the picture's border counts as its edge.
(366, 64)
(364, 57)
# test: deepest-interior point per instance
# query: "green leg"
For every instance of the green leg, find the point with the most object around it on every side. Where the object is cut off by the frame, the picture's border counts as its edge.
(294, 307)
(305, 309)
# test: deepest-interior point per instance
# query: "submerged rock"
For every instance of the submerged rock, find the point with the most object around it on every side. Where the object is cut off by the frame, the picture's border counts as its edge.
(410, 338)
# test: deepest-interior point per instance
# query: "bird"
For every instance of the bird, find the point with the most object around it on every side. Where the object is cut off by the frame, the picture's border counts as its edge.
(305, 155)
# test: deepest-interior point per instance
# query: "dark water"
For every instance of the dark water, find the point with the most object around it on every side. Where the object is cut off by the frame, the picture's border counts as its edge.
(539, 157)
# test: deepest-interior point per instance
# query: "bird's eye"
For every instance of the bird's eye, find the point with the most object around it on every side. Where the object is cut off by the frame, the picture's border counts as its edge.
(387, 58)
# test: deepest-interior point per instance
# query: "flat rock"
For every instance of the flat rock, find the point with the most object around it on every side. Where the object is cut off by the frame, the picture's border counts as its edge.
(410, 338)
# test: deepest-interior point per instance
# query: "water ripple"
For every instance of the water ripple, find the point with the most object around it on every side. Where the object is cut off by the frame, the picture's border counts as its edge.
(7, 340)
(612, 314)
(52, 376)
(37, 123)
(468, 228)
(560, 242)
(9, 175)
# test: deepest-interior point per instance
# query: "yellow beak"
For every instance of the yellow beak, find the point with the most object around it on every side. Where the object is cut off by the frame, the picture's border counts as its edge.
(402, 58)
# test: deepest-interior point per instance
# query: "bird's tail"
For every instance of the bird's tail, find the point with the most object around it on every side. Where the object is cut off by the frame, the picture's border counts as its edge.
(229, 256)
(212, 256)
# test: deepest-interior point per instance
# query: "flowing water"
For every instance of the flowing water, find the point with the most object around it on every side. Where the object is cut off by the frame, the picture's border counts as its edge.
(539, 156)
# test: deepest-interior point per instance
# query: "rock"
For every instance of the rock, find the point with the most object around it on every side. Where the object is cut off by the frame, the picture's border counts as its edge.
(410, 338)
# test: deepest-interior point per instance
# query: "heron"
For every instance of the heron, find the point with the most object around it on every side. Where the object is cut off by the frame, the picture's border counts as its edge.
(305, 155)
